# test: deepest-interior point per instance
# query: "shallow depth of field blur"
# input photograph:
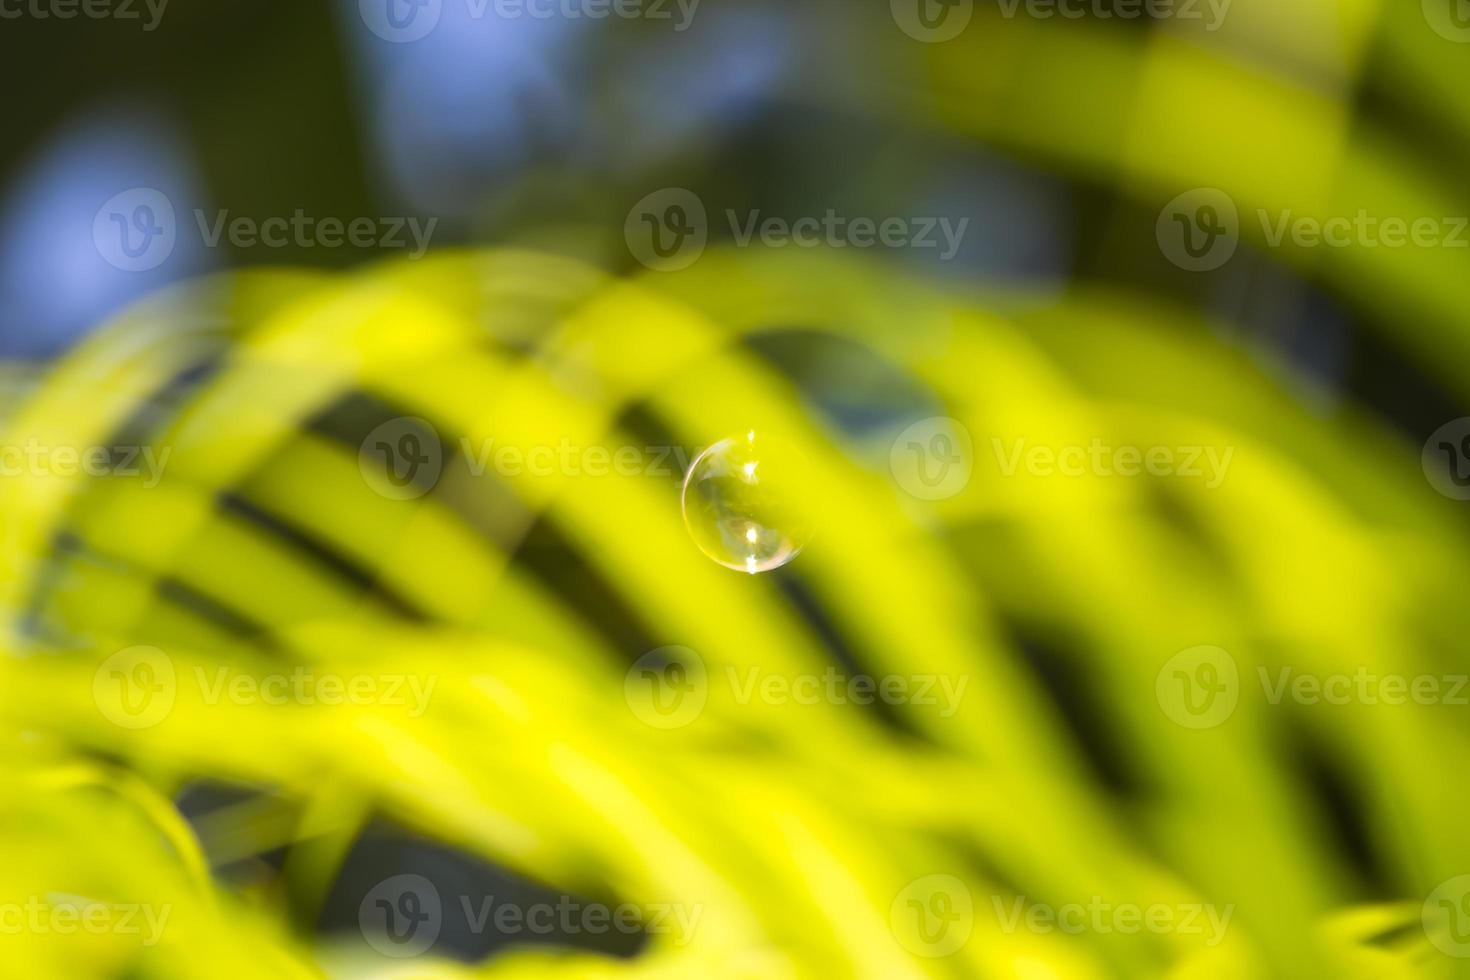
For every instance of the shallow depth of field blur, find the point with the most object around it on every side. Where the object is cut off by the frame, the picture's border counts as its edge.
(738, 488)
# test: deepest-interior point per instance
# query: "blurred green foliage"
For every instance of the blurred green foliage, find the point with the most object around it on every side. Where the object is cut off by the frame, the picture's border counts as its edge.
(811, 839)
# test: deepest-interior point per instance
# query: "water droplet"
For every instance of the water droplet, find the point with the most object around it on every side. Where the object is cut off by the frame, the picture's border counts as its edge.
(740, 501)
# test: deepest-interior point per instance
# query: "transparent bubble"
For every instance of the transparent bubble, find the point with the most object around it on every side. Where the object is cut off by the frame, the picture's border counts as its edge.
(740, 502)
